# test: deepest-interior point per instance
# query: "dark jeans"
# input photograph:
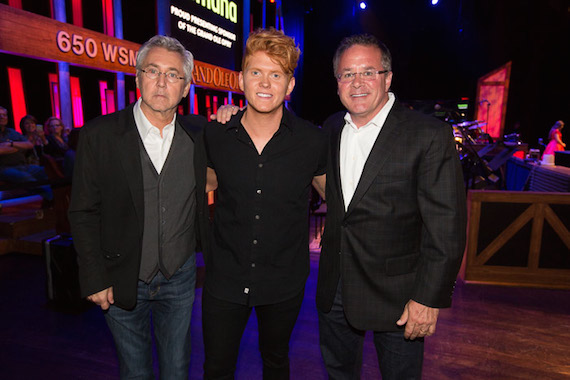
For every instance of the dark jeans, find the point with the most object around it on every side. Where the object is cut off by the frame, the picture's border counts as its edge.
(341, 348)
(223, 323)
(170, 304)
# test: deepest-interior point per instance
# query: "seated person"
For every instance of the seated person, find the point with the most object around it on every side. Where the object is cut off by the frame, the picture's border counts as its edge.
(13, 165)
(57, 139)
(35, 135)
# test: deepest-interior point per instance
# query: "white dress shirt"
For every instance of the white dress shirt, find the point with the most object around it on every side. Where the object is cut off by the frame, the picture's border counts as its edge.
(355, 146)
(157, 147)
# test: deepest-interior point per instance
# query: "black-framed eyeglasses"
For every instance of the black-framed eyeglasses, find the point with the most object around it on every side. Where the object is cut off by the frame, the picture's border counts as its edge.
(170, 76)
(364, 75)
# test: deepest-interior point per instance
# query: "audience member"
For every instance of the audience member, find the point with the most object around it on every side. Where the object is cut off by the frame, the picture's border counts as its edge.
(3, 117)
(56, 137)
(35, 135)
(13, 164)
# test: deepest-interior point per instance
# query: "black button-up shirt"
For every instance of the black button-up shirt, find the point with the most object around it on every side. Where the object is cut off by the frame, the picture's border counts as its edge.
(260, 243)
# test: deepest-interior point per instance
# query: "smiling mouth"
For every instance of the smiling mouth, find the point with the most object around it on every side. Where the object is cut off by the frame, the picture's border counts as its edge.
(358, 95)
(263, 95)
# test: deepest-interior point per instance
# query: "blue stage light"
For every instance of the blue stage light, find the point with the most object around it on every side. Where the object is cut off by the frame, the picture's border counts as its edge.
(434, 2)
(362, 5)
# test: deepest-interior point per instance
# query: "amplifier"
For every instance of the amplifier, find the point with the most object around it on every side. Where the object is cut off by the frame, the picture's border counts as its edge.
(562, 158)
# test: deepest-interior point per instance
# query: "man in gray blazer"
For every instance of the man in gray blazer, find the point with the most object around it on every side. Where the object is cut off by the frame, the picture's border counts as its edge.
(137, 210)
(395, 228)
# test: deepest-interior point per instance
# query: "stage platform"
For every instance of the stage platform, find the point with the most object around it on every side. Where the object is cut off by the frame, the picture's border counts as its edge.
(533, 176)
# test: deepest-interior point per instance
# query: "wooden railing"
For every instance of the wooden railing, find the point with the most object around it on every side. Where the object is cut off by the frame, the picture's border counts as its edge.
(518, 238)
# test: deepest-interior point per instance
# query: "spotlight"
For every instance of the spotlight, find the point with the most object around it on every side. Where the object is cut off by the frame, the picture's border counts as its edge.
(362, 5)
(434, 2)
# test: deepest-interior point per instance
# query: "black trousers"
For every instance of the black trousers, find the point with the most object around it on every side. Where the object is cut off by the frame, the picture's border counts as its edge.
(223, 324)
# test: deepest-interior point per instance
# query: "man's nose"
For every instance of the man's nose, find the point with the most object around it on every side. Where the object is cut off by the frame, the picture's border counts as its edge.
(161, 80)
(357, 81)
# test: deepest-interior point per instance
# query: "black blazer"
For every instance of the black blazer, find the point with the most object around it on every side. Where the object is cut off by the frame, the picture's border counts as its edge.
(403, 234)
(107, 204)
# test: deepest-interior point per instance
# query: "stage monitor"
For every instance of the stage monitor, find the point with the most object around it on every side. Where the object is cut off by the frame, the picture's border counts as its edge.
(210, 29)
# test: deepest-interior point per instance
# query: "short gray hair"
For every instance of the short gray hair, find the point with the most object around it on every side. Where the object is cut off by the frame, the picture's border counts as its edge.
(363, 40)
(170, 44)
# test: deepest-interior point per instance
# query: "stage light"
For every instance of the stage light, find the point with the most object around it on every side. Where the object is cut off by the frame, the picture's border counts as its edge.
(362, 5)
(434, 2)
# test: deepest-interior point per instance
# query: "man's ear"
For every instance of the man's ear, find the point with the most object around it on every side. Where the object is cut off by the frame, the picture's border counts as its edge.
(388, 80)
(291, 85)
(240, 81)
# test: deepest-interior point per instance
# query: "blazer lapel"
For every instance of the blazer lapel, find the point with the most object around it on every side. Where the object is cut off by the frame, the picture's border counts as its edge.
(335, 160)
(381, 150)
(190, 129)
(128, 145)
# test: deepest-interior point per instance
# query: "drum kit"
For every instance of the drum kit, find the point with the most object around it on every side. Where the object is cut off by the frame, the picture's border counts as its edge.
(476, 170)
(469, 132)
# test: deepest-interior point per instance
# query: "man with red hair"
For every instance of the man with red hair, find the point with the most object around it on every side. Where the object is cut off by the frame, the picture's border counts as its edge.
(263, 162)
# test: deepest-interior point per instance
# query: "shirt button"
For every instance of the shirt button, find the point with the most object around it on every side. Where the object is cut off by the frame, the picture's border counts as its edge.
(257, 217)
(253, 265)
(163, 209)
(258, 191)
(254, 241)
(259, 165)
(246, 290)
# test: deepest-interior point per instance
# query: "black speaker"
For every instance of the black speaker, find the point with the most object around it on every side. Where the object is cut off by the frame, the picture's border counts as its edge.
(61, 269)
(562, 158)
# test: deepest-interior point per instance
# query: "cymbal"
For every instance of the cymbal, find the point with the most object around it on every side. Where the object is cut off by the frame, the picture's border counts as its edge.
(470, 123)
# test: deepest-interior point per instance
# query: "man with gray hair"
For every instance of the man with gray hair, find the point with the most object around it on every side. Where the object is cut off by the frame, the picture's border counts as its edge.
(137, 213)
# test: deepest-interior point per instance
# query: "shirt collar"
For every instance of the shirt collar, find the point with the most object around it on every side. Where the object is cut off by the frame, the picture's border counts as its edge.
(143, 124)
(286, 120)
(378, 119)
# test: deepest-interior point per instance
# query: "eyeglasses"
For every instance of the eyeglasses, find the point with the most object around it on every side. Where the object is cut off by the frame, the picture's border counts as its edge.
(364, 75)
(170, 76)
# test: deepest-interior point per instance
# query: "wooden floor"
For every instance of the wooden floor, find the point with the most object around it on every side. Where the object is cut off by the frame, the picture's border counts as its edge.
(490, 333)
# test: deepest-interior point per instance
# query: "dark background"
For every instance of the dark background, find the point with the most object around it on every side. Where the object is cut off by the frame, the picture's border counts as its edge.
(440, 52)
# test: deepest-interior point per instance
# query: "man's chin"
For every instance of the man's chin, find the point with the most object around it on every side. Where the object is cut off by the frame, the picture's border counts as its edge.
(159, 106)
